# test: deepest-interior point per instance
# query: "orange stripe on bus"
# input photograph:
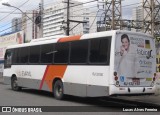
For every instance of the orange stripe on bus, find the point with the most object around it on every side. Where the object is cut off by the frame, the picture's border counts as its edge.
(54, 71)
(43, 78)
(71, 38)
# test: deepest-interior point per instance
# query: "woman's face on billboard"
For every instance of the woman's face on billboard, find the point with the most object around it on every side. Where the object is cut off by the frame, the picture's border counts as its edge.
(125, 43)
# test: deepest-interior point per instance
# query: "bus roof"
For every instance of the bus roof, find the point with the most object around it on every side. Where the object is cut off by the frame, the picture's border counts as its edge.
(48, 38)
(62, 38)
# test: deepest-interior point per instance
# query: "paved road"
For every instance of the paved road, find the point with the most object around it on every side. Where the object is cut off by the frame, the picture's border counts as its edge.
(29, 97)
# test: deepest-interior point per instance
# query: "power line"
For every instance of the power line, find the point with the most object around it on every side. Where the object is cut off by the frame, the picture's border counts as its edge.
(100, 9)
(76, 5)
(13, 26)
(132, 4)
(94, 20)
(57, 9)
(93, 6)
(78, 10)
(102, 13)
(13, 11)
(18, 13)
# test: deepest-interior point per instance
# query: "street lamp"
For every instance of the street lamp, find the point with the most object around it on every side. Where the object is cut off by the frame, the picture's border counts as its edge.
(38, 20)
(7, 4)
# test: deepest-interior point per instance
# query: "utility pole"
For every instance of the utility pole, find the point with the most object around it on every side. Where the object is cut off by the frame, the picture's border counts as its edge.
(105, 15)
(113, 14)
(68, 11)
(41, 22)
(68, 19)
(152, 17)
(151, 10)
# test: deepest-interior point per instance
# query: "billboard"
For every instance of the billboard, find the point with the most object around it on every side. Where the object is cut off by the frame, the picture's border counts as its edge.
(12, 39)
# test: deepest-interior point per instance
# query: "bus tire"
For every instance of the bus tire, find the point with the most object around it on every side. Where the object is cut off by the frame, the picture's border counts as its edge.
(14, 84)
(58, 90)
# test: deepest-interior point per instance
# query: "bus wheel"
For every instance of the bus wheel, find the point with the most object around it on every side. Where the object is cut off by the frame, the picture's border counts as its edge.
(14, 84)
(58, 90)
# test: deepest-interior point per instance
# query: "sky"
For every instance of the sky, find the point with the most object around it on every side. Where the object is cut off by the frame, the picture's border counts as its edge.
(6, 17)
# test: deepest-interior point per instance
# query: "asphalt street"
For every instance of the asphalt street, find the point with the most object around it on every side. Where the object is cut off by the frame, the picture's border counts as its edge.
(30, 97)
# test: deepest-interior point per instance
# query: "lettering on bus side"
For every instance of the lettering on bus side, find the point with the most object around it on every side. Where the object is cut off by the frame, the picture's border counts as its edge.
(22, 73)
(97, 74)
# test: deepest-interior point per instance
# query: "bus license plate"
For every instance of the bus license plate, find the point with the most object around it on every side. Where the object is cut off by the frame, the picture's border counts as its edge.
(136, 81)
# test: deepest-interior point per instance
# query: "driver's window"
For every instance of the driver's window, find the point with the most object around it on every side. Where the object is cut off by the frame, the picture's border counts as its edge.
(8, 59)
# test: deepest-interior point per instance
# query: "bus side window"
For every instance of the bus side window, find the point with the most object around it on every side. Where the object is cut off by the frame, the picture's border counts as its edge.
(100, 51)
(47, 53)
(16, 57)
(61, 53)
(79, 52)
(8, 59)
(34, 56)
(24, 55)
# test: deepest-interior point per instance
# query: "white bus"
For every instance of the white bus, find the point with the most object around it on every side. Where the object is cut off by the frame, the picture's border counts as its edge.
(97, 64)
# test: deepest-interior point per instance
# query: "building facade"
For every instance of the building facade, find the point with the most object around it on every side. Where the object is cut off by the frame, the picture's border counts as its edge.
(16, 24)
(29, 27)
(138, 16)
(55, 18)
(86, 18)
